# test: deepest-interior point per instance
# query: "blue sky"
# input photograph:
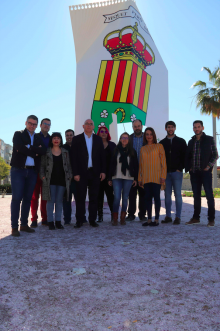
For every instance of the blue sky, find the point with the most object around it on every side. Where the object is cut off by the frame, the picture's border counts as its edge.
(37, 59)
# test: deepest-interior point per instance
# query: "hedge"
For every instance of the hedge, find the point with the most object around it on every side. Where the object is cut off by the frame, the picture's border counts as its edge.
(216, 193)
(6, 187)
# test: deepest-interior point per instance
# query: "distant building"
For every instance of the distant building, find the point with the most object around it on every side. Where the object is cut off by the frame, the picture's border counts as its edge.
(6, 153)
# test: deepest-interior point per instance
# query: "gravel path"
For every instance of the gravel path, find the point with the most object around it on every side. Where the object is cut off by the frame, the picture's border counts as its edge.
(111, 278)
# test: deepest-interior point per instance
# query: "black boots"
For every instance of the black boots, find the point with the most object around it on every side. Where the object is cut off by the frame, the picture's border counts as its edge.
(59, 225)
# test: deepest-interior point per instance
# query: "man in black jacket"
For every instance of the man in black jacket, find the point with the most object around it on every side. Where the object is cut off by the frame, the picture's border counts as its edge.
(88, 164)
(67, 209)
(175, 149)
(25, 163)
(136, 140)
(201, 156)
(45, 128)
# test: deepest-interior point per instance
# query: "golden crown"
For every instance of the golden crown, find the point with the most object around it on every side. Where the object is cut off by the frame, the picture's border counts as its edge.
(129, 46)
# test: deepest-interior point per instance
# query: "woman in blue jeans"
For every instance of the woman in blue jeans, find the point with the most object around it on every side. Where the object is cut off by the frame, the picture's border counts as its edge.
(123, 173)
(56, 175)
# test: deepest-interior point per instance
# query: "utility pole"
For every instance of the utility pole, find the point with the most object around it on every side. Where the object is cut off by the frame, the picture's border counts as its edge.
(215, 166)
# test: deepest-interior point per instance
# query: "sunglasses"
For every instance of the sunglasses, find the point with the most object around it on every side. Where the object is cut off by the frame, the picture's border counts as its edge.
(103, 131)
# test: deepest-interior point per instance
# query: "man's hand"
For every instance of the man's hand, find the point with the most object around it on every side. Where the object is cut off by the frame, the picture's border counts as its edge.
(110, 183)
(77, 178)
(207, 168)
(134, 183)
(140, 184)
(102, 176)
(178, 171)
(162, 181)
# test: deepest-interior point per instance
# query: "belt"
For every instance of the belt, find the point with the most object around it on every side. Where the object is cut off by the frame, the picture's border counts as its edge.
(90, 168)
(29, 167)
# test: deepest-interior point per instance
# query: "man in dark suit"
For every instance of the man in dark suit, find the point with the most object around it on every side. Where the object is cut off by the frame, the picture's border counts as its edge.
(25, 163)
(88, 164)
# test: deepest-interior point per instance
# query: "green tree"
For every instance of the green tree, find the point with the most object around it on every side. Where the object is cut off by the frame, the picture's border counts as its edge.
(4, 169)
(208, 97)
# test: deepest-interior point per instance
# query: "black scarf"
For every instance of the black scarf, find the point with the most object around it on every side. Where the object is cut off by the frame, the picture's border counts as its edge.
(123, 159)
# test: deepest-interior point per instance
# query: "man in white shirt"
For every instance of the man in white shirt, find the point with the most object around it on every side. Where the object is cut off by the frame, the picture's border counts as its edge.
(88, 163)
(25, 163)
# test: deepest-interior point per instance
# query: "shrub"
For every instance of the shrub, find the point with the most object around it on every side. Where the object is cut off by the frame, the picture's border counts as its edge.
(6, 187)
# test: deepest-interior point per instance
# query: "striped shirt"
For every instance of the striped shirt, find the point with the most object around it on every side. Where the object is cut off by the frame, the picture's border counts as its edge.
(152, 165)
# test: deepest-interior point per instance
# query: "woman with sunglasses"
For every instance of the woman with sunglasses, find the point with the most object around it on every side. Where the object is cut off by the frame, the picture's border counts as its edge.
(152, 173)
(109, 146)
(56, 175)
(123, 174)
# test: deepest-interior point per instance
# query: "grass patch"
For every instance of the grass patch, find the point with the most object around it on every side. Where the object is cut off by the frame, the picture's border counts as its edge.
(216, 193)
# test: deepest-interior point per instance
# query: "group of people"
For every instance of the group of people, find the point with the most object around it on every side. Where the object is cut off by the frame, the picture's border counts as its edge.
(42, 165)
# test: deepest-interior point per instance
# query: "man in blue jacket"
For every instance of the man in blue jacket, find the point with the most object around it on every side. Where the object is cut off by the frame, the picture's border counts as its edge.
(201, 156)
(27, 150)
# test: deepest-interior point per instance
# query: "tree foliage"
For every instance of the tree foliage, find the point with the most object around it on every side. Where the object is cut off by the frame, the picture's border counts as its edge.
(4, 169)
(208, 97)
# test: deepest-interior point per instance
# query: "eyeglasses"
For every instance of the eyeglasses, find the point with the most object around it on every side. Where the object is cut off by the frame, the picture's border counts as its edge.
(124, 138)
(88, 123)
(44, 123)
(103, 131)
(30, 123)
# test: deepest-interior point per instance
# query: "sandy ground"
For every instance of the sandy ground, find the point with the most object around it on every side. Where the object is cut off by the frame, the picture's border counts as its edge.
(165, 278)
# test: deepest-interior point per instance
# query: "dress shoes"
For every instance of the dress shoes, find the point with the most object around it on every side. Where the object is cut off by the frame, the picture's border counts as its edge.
(77, 226)
(100, 219)
(26, 228)
(94, 224)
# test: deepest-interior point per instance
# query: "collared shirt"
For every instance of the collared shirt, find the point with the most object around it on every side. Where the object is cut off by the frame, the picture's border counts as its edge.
(137, 144)
(89, 148)
(45, 139)
(197, 156)
(30, 160)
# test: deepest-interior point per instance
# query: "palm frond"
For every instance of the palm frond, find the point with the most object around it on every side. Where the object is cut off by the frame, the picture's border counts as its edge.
(208, 70)
(199, 83)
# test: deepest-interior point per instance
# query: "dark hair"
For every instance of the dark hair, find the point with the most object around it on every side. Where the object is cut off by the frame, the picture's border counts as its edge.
(69, 130)
(170, 123)
(45, 119)
(137, 120)
(154, 136)
(198, 121)
(32, 117)
(129, 146)
(55, 134)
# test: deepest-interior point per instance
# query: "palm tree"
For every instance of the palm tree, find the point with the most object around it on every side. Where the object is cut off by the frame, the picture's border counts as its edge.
(208, 97)
(208, 100)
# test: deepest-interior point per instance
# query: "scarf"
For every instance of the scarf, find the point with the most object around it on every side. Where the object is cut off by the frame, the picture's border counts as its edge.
(123, 159)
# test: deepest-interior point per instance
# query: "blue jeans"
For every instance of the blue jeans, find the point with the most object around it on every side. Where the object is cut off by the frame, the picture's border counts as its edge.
(152, 190)
(174, 179)
(56, 195)
(121, 187)
(23, 182)
(198, 179)
(67, 205)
